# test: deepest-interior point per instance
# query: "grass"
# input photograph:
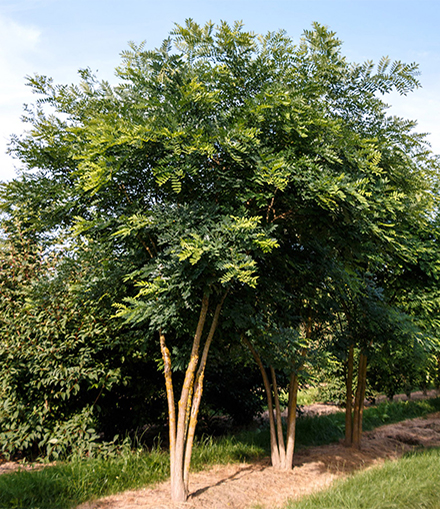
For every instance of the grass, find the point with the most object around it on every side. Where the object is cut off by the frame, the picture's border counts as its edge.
(308, 396)
(330, 428)
(325, 429)
(411, 482)
(69, 484)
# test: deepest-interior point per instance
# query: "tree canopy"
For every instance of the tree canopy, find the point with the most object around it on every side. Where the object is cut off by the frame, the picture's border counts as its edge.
(239, 180)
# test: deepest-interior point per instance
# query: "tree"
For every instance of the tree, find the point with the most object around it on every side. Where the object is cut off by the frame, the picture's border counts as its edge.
(217, 160)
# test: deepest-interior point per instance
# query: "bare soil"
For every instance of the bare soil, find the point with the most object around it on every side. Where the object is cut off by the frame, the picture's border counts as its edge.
(258, 485)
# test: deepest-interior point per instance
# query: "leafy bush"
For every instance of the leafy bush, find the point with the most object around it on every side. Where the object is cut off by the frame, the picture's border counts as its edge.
(64, 363)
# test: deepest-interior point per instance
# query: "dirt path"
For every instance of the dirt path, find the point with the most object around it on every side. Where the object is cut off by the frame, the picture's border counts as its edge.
(242, 486)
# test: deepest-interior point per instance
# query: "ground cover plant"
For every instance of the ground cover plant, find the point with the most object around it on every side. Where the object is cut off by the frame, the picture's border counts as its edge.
(412, 481)
(68, 484)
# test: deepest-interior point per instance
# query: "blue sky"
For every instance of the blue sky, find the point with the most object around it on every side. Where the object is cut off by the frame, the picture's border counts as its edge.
(58, 37)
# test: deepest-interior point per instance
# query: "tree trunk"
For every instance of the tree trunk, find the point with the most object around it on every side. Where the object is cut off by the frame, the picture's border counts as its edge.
(170, 395)
(182, 432)
(279, 423)
(179, 492)
(274, 452)
(359, 401)
(282, 451)
(349, 398)
(198, 389)
(291, 421)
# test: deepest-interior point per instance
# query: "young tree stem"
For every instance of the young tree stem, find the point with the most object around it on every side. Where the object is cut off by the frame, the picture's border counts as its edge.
(274, 452)
(198, 390)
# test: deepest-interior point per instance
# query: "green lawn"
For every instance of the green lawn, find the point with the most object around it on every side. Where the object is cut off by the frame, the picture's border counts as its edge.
(412, 482)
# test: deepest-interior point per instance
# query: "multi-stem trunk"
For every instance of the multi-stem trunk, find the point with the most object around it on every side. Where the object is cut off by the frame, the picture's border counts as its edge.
(198, 390)
(286, 448)
(282, 451)
(279, 423)
(182, 429)
(274, 450)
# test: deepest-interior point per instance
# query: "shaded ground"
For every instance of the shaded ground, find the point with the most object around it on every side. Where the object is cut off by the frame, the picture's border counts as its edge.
(243, 486)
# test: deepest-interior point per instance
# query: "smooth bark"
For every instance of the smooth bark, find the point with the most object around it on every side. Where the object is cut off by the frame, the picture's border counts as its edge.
(291, 421)
(170, 394)
(182, 429)
(282, 451)
(179, 490)
(349, 397)
(274, 452)
(279, 423)
(198, 389)
(359, 402)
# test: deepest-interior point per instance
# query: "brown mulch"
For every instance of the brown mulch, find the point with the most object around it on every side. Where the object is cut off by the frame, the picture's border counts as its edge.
(243, 486)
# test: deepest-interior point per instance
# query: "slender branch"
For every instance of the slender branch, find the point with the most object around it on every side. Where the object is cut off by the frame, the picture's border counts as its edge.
(142, 241)
(100, 392)
(340, 322)
(282, 216)
(270, 207)
(124, 190)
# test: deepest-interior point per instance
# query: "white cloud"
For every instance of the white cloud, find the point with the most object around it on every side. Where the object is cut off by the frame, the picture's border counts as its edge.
(19, 44)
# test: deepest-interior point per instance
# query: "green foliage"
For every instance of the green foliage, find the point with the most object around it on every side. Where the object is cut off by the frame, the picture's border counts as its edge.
(61, 355)
(69, 484)
(221, 163)
(308, 396)
(215, 253)
(398, 350)
(326, 429)
(400, 366)
(330, 428)
(390, 412)
(232, 389)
